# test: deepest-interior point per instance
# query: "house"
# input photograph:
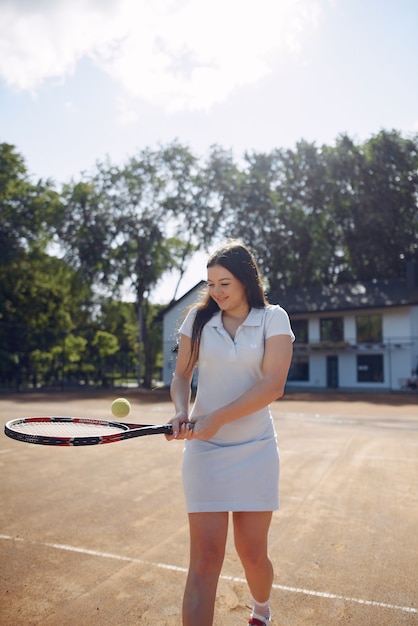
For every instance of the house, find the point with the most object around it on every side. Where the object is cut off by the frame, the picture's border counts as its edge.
(361, 336)
(172, 318)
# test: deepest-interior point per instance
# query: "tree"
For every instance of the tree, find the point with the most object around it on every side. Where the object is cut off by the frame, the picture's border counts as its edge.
(280, 206)
(220, 198)
(307, 232)
(322, 215)
(42, 300)
(86, 230)
(375, 204)
(126, 226)
(105, 344)
(29, 213)
(312, 215)
(34, 286)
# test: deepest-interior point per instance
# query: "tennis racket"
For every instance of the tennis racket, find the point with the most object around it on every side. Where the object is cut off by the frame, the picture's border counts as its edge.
(77, 431)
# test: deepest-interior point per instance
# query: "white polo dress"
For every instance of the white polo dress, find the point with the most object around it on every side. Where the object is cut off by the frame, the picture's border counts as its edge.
(238, 469)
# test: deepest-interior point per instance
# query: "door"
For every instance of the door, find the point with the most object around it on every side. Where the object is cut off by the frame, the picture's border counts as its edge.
(332, 372)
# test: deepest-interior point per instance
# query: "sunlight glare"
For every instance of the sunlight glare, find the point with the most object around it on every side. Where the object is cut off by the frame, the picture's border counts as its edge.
(177, 54)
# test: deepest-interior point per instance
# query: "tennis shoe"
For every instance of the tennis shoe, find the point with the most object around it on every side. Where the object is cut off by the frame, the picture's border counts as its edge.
(259, 620)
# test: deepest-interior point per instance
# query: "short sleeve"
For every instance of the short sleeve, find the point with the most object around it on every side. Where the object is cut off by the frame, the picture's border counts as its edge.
(186, 326)
(277, 322)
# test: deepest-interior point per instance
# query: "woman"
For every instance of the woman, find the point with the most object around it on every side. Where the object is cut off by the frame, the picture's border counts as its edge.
(243, 347)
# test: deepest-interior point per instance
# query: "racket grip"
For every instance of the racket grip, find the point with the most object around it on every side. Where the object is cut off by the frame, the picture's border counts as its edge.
(169, 427)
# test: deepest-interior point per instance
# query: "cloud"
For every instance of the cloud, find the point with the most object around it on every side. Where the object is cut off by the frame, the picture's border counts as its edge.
(177, 54)
(126, 115)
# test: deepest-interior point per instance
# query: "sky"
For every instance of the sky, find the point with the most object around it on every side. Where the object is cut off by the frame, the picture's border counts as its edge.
(89, 79)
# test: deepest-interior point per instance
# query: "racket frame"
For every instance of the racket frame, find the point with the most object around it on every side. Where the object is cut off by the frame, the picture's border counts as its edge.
(129, 431)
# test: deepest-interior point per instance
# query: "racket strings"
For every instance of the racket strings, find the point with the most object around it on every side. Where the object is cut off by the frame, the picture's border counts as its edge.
(66, 429)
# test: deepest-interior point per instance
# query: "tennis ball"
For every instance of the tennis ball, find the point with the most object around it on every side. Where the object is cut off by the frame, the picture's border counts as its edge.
(120, 407)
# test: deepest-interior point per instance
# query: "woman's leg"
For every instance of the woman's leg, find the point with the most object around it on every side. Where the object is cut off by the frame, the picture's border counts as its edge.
(208, 533)
(251, 538)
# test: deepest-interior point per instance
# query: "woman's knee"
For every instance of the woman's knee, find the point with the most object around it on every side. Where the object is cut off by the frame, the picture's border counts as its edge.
(207, 561)
(252, 558)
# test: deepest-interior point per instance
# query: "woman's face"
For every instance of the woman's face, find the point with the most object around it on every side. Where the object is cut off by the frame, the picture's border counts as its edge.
(227, 291)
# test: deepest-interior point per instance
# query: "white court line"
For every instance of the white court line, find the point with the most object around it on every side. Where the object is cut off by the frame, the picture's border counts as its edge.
(175, 568)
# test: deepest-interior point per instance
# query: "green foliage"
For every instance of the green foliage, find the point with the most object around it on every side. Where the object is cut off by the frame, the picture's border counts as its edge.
(124, 227)
(316, 215)
(41, 300)
(86, 230)
(375, 204)
(29, 214)
(312, 215)
(105, 343)
(152, 337)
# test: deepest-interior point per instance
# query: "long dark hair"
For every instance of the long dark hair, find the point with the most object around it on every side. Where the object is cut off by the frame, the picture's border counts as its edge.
(237, 259)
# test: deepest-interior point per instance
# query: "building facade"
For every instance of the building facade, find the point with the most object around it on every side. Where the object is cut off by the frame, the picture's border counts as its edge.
(361, 336)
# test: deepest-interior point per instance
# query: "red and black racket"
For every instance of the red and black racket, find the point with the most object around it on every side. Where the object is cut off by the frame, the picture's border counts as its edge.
(77, 431)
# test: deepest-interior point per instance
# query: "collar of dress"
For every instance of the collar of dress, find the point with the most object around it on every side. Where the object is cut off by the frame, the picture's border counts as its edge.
(254, 318)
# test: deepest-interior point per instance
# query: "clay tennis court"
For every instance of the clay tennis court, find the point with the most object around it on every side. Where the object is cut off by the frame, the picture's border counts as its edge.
(98, 535)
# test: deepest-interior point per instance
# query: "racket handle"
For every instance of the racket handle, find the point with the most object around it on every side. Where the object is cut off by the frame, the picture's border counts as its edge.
(169, 427)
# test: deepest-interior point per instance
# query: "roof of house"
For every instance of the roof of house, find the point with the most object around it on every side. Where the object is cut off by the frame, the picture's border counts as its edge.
(174, 303)
(349, 296)
(374, 294)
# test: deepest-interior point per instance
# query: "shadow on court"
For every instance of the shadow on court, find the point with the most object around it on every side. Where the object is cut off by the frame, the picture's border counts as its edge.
(99, 535)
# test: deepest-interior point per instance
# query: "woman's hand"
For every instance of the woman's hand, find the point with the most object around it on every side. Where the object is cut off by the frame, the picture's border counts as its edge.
(204, 427)
(181, 426)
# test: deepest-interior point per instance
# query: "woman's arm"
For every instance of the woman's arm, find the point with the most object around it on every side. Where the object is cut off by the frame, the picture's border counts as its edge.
(180, 389)
(275, 368)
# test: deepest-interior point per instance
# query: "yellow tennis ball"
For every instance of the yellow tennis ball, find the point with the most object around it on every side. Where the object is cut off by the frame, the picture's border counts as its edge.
(120, 407)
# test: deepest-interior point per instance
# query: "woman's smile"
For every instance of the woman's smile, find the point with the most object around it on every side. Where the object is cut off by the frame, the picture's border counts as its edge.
(227, 291)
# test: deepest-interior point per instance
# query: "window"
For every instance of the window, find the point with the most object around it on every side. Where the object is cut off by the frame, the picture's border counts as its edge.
(370, 368)
(299, 369)
(300, 328)
(369, 328)
(332, 329)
